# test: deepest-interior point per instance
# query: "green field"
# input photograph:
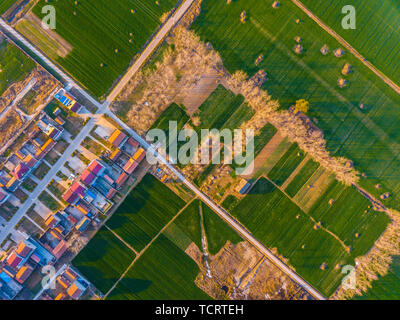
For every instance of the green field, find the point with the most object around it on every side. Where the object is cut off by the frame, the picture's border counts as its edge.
(104, 260)
(217, 231)
(144, 212)
(386, 287)
(301, 178)
(5, 5)
(286, 165)
(14, 65)
(221, 108)
(376, 37)
(107, 27)
(369, 136)
(164, 271)
(277, 222)
(172, 113)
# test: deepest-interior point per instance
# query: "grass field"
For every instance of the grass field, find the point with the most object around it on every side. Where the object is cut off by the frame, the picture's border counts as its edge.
(386, 287)
(277, 222)
(217, 231)
(103, 260)
(222, 108)
(144, 212)
(172, 113)
(108, 27)
(369, 136)
(164, 271)
(286, 165)
(14, 65)
(376, 37)
(5, 5)
(301, 178)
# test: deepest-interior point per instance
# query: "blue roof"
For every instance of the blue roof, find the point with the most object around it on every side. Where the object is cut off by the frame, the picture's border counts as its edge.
(5, 277)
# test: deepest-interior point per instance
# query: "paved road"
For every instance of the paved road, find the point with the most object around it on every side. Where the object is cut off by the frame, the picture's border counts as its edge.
(344, 43)
(159, 37)
(103, 108)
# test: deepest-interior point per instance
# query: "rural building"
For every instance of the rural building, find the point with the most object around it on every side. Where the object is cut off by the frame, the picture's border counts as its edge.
(68, 100)
(243, 187)
(117, 138)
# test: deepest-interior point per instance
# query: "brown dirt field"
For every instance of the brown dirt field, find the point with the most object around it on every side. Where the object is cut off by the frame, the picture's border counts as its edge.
(240, 272)
(266, 152)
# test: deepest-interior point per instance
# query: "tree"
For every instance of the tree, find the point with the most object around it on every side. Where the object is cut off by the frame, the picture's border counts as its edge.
(302, 105)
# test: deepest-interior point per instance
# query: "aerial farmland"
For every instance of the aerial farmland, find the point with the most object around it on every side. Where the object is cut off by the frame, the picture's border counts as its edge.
(199, 150)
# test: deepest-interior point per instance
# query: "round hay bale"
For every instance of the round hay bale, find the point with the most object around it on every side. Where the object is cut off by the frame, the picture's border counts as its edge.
(298, 21)
(324, 50)
(303, 246)
(342, 83)
(323, 266)
(357, 235)
(331, 201)
(338, 266)
(346, 69)
(318, 225)
(243, 16)
(298, 216)
(298, 39)
(378, 186)
(276, 5)
(339, 52)
(298, 49)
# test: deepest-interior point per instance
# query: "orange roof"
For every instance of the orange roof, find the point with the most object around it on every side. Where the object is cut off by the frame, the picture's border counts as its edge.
(60, 296)
(30, 161)
(23, 273)
(11, 182)
(115, 154)
(71, 274)
(139, 155)
(56, 234)
(76, 290)
(23, 250)
(117, 137)
(64, 282)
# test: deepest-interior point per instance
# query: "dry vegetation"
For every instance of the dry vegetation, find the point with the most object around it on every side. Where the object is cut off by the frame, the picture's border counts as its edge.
(377, 261)
(179, 71)
(297, 129)
(240, 272)
(10, 124)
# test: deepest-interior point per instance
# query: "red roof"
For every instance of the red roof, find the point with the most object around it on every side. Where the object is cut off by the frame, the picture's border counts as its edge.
(30, 161)
(75, 108)
(35, 258)
(130, 166)
(24, 273)
(133, 142)
(95, 167)
(117, 137)
(87, 176)
(20, 170)
(111, 193)
(13, 260)
(121, 179)
(70, 197)
(59, 250)
(78, 189)
(23, 250)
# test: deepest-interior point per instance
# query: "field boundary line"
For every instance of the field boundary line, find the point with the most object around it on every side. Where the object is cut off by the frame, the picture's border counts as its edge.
(120, 238)
(348, 46)
(140, 253)
(296, 171)
(307, 214)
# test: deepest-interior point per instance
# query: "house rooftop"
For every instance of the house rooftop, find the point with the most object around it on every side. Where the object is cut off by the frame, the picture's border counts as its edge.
(117, 138)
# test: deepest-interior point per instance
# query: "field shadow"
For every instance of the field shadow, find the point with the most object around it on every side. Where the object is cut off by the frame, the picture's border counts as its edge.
(136, 285)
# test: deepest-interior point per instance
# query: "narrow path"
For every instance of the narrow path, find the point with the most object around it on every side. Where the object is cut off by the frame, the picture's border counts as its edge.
(119, 238)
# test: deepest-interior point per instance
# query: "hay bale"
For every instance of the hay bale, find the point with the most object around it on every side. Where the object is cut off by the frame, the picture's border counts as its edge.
(323, 266)
(342, 83)
(338, 52)
(298, 39)
(357, 235)
(318, 225)
(243, 16)
(346, 69)
(331, 201)
(324, 50)
(276, 5)
(259, 59)
(298, 21)
(298, 49)
(385, 195)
